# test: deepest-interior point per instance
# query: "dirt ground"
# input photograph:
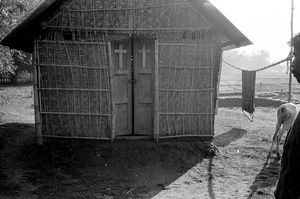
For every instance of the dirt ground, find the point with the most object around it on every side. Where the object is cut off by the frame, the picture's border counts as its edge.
(233, 166)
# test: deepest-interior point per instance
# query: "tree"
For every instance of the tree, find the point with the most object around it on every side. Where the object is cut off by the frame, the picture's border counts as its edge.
(10, 12)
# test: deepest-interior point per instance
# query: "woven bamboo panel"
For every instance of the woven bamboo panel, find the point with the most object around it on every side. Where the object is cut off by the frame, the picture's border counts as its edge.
(74, 89)
(127, 15)
(186, 84)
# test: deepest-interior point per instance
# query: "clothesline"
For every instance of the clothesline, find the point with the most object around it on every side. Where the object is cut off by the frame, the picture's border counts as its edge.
(274, 64)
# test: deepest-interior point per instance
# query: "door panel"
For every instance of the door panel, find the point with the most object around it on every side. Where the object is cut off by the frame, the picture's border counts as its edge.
(144, 88)
(121, 56)
(140, 107)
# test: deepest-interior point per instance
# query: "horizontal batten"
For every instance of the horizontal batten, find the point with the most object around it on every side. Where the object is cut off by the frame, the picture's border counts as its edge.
(72, 42)
(71, 66)
(131, 8)
(181, 67)
(75, 114)
(183, 136)
(182, 44)
(72, 137)
(73, 89)
(163, 113)
(187, 90)
(132, 29)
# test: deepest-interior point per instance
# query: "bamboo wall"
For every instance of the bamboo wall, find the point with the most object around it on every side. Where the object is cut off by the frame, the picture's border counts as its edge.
(122, 15)
(187, 66)
(74, 88)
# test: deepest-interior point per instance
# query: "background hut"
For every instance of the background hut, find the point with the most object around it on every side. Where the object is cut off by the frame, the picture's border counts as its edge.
(113, 68)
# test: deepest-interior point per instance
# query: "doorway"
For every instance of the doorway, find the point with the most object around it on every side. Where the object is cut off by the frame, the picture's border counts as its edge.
(133, 83)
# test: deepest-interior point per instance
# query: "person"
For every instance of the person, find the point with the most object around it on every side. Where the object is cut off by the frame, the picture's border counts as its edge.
(288, 184)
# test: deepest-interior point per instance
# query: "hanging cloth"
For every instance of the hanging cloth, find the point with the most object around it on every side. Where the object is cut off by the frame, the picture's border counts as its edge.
(248, 90)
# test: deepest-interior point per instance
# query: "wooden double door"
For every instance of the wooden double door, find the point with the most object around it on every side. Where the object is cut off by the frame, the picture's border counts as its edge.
(133, 83)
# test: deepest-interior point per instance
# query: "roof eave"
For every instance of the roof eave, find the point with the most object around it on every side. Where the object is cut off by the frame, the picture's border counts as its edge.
(234, 36)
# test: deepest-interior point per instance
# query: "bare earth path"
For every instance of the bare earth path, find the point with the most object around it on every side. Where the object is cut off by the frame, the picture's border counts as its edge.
(135, 170)
(239, 171)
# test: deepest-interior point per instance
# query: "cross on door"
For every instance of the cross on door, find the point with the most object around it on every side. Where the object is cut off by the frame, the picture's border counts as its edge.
(120, 51)
(144, 52)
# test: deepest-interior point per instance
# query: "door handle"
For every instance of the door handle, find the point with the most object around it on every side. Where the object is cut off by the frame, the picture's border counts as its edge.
(132, 81)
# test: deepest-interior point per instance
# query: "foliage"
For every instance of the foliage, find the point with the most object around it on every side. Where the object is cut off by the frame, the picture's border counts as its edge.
(10, 12)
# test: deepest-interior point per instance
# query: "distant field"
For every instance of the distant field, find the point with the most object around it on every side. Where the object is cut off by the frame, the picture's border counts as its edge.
(269, 88)
(262, 85)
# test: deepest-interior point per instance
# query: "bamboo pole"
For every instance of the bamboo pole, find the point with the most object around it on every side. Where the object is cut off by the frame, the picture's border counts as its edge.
(182, 67)
(206, 82)
(73, 89)
(156, 95)
(186, 135)
(82, 83)
(131, 8)
(220, 53)
(36, 100)
(100, 73)
(185, 44)
(212, 93)
(106, 75)
(291, 51)
(185, 113)
(71, 42)
(48, 124)
(77, 137)
(113, 119)
(67, 66)
(78, 114)
(132, 29)
(89, 97)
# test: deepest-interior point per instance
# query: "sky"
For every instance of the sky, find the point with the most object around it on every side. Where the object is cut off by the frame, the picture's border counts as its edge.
(267, 23)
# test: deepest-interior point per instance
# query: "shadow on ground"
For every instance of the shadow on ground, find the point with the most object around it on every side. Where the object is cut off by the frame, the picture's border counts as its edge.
(266, 178)
(91, 169)
(230, 136)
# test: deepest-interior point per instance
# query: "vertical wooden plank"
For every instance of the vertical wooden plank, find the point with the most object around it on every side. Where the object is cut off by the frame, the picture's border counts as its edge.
(36, 100)
(156, 95)
(113, 113)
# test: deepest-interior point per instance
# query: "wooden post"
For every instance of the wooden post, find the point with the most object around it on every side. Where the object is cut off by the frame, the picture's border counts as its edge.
(36, 99)
(291, 51)
(218, 80)
(113, 113)
(156, 95)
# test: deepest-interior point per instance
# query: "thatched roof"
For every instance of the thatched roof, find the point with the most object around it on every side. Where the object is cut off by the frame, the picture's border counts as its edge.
(22, 34)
